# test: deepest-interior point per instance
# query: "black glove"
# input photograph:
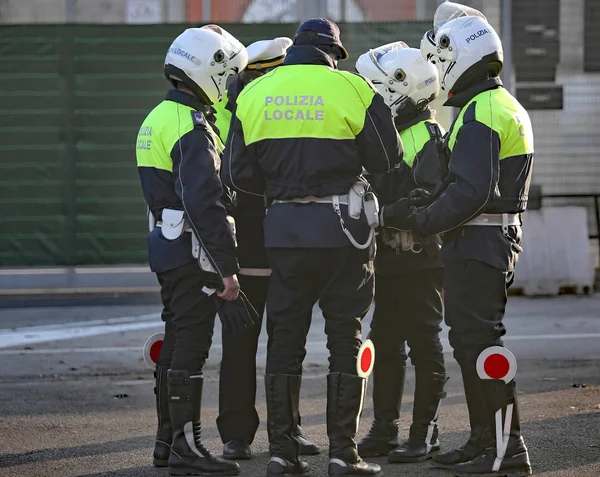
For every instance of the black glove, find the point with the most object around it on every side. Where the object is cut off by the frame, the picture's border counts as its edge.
(399, 215)
(420, 197)
(237, 316)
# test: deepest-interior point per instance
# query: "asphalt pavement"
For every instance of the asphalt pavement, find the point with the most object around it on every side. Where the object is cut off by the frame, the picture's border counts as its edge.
(76, 397)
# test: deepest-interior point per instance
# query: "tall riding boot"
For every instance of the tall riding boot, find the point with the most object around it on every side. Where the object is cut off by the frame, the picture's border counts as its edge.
(305, 447)
(388, 385)
(480, 438)
(188, 455)
(345, 396)
(283, 398)
(497, 396)
(164, 433)
(423, 436)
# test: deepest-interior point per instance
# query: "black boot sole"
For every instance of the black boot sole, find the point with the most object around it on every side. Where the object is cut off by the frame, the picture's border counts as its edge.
(160, 463)
(500, 473)
(438, 465)
(358, 473)
(189, 471)
(274, 474)
(411, 460)
(234, 456)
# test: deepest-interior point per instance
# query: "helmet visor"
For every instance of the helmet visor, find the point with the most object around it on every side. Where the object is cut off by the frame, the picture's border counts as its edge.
(377, 53)
(449, 11)
(230, 45)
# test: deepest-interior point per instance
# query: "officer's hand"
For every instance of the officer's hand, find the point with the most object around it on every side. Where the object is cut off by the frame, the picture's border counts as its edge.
(399, 215)
(420, 197)
(231, 288)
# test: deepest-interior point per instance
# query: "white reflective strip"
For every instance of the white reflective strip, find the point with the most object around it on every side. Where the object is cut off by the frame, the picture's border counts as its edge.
(188, 432)
(208, 291)
(279, 460)
(255, 272)
(431, 427)
(502, 436)
(339, 462)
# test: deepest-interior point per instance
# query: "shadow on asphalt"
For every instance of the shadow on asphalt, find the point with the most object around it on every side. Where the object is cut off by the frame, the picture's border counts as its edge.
(554, 445)
(44, 455)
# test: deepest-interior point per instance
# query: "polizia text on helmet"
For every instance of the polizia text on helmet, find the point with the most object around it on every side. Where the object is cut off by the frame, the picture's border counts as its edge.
(474, 36)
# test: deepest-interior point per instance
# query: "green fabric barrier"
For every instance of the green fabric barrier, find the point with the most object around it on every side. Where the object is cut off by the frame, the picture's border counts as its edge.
(72, 98)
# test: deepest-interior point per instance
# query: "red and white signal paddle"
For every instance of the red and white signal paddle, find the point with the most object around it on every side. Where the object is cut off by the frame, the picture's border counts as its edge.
(365, 359)
(499, 363)
(152, 349)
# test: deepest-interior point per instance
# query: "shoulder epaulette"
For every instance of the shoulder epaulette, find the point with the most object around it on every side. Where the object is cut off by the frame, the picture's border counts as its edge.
(199, 120)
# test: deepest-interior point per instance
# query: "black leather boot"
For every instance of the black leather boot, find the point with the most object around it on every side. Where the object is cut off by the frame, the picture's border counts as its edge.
(515, 463)
(283, 398)
(345, 396)
(188, 455)
(423, 436)
(237, 449)
(164, 433)
(388, 385)
(305, 447)
(480, 438)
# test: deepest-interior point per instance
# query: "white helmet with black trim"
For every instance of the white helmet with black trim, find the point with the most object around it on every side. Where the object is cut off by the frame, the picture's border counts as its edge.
(203, 59)
(401, 75)
(468, 50)
(446, 12)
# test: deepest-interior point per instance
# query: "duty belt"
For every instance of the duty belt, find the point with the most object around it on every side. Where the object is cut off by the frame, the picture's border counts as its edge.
(186, 228)
(335, 201)
(255, 272)
(498, 220)
(343, 199)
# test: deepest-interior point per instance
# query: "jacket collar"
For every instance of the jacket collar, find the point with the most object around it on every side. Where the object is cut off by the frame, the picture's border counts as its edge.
(307, 55)
(404, 122)
(458, 100)
(187, 99)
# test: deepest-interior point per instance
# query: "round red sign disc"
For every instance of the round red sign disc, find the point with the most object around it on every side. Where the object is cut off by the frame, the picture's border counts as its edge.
(365, 359)
(496, 366)
(497, 362)
(152, 349)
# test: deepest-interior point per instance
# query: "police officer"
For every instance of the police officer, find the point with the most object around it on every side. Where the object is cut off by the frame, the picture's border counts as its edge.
(191, 245)
(300, 136)
(479, 212)
(408, 284)
(238, 418)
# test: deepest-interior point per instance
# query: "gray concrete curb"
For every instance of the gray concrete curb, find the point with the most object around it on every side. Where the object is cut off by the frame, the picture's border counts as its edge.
(77, 280)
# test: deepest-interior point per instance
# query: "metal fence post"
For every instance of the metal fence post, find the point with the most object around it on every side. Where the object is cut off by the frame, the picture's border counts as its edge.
(69, 11)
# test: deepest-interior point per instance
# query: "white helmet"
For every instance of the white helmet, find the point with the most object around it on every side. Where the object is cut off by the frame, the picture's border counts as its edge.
(446, 12)
(203, 59)
(401, 75)
(467, 49)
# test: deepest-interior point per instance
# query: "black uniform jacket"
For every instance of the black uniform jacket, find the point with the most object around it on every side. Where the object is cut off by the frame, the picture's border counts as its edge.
(481, 184)
(249, 210)
(398, 184)
(193, 185)
(301, 166)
